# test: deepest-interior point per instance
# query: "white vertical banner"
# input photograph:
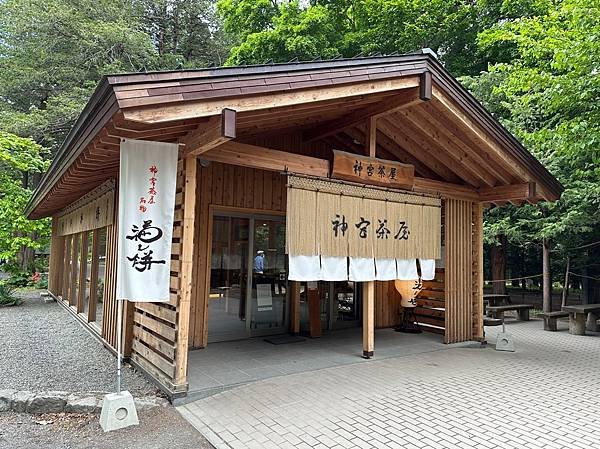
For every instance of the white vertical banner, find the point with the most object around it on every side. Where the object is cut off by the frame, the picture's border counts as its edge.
(147, 180)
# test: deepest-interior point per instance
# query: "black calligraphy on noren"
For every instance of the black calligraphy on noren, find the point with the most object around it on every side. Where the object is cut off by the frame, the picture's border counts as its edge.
(382, 230)
(403, 232)
(144, 262)
(146, 234)
(339, 225)
(362, 227)
(143, 259)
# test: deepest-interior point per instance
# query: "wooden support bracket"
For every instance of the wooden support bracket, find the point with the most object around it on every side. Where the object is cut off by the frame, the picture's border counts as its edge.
(218, 130)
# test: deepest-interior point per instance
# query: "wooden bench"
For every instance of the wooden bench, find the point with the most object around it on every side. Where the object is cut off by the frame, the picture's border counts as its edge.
(578, 315)
(550, 319)
(522, 310)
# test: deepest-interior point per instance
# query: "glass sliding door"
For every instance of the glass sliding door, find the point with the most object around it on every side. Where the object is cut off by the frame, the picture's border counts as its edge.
(248, 277)
(269, 277)
(228, 278)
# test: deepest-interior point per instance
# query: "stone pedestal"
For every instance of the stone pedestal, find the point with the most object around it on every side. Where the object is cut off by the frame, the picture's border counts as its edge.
(577, 323)
(591, 323)
(118, 411)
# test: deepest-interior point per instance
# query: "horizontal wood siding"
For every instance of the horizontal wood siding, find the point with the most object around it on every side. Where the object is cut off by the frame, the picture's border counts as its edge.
(431, 304)
(154, 329)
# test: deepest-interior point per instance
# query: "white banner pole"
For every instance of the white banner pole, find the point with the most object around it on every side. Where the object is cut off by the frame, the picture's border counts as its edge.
(119, 341)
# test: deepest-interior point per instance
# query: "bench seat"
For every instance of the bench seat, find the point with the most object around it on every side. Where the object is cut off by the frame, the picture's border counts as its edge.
(522, 310)
(550, 319)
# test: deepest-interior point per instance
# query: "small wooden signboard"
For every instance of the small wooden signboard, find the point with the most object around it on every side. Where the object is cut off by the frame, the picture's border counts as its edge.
(370, 170)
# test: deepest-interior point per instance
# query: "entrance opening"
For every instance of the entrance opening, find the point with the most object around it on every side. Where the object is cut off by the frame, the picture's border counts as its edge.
(248, 277)
(340, 305)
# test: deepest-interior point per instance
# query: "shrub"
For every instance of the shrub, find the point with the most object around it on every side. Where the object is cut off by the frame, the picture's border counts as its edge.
(7, 296)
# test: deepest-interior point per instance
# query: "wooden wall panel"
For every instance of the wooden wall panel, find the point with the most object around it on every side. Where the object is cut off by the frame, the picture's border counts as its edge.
(387, 305)
(226, 186)
(458, 271)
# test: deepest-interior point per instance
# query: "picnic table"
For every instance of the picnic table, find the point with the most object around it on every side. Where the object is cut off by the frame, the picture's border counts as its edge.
(495, 299)
(496, 304)
(582, 317)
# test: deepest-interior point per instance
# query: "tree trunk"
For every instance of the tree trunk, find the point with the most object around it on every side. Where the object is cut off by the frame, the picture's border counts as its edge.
(546, 277)
(498, 262)
(565, 291)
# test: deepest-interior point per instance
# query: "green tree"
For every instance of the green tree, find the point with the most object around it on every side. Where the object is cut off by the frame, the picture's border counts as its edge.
(52, 55)
(185, 33)
(19, 158)
(282, 31)
(547, 95)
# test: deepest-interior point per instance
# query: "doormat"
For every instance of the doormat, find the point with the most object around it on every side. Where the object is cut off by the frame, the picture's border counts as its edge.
(284, 339)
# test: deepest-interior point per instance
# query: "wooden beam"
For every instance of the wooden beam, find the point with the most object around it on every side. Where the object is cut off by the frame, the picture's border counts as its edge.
(368, 319)
(208, 107)
(396, 102)
(218, 130)
(187, 266)
(524, 191)
(425, 86)
(237, 153)
(445, 189)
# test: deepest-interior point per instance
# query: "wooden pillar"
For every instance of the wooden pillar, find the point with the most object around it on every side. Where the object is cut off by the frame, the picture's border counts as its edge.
(368, 319)
(371, 136)
(187, 255)
(55, 264)
(368, 325)
(294, 307)
(94, 276)
(477, 271)
(82, 270)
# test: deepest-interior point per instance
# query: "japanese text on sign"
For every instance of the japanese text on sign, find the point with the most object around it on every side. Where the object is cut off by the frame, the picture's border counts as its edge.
(382, 230)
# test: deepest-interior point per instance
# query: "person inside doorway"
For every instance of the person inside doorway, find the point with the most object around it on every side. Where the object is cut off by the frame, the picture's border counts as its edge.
(259, 262)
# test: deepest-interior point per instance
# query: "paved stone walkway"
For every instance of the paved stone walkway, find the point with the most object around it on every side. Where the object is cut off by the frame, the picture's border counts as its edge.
(545, 395)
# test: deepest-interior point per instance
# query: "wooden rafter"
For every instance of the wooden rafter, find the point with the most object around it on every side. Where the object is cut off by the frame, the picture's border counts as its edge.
(398, 101)
(424, 152)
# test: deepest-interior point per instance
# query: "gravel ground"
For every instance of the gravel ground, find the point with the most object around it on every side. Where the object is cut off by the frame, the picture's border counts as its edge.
(45, 349)
(159, 428)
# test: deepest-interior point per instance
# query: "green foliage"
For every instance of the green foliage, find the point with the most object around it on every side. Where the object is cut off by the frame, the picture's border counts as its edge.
(47, 75)
(268, 30)
(19, 157)
(7, 295)
(548, 97)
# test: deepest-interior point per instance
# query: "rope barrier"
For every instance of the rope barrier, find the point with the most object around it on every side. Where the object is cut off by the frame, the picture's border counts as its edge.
(515, 279)
(582, 276)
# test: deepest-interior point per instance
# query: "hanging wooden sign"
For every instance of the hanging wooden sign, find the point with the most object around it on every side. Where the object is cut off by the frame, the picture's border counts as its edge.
(370, 170)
